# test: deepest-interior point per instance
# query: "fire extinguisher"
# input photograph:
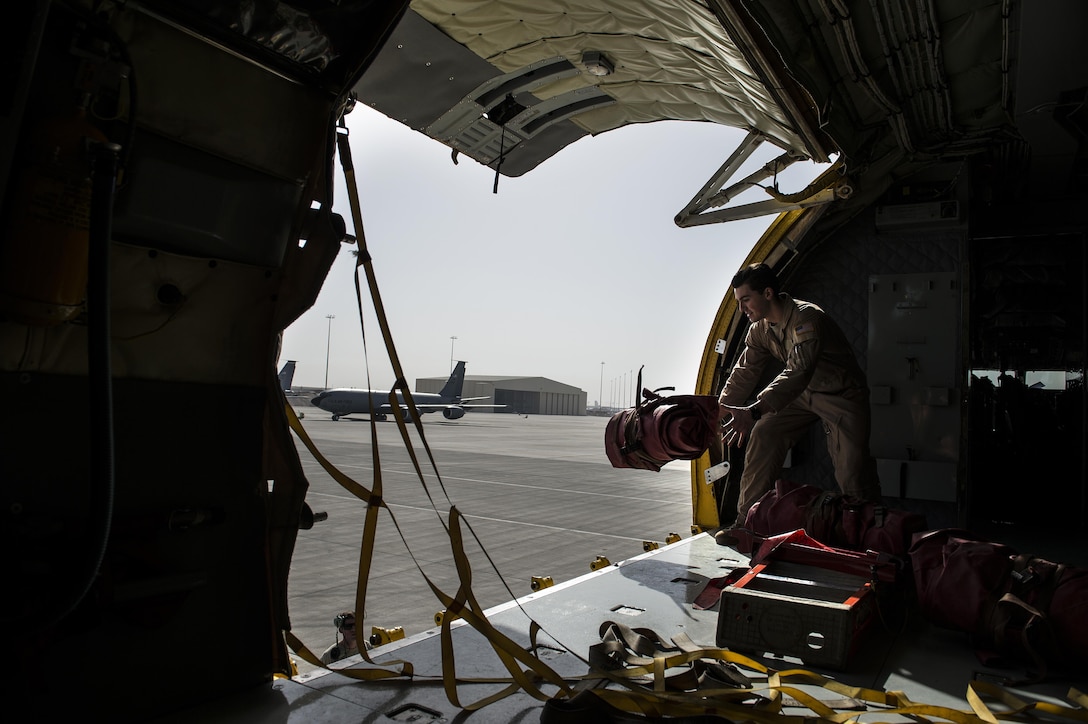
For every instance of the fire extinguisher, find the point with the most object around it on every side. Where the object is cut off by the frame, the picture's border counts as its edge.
(43, 255)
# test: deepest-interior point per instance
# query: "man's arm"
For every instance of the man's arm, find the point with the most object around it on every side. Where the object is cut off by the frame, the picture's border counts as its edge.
(738, 388)
(782, 390)
(746, 372)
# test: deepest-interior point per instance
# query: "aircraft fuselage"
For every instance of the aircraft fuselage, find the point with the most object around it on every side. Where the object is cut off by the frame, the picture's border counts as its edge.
(348, 401)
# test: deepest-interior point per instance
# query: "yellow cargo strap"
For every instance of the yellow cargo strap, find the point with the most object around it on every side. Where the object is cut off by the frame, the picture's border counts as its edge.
(463, 604)
(1016, 708)
(644, 659)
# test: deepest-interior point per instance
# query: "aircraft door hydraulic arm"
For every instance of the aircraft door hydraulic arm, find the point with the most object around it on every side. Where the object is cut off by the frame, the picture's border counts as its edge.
(829, 186)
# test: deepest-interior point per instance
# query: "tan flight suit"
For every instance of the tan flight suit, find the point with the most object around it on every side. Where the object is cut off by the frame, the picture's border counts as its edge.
(821, 381)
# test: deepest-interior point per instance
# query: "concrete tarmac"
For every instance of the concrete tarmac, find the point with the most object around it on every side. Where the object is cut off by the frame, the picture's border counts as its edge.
(537, 492)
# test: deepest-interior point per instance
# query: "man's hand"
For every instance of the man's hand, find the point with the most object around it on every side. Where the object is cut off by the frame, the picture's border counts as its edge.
(739, 428)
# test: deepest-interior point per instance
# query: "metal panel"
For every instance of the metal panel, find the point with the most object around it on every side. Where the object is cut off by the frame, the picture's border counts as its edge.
(918, 480)
(913, 369)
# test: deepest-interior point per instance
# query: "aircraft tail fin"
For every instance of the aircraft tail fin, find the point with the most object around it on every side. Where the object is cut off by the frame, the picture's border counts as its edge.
(452, 388)
(287, 375)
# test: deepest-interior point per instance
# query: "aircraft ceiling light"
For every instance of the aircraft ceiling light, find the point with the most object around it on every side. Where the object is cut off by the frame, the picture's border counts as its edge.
(597, 63)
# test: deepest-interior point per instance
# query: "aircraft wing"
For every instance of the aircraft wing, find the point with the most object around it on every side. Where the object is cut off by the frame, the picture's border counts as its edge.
(434, 407)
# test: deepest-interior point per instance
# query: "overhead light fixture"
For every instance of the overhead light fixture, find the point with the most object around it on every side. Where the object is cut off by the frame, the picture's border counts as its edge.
(596, 63)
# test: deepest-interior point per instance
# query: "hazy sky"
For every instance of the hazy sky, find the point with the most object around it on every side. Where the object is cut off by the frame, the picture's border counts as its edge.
(575, 263)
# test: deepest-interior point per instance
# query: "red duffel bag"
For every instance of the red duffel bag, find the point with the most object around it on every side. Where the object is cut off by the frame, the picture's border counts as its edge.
(833, 519)
(662, 429)
(1015, 607)
(790, 506)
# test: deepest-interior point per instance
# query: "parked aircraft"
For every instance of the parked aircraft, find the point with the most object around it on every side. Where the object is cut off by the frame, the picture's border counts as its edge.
(287, 375)
(376, 402)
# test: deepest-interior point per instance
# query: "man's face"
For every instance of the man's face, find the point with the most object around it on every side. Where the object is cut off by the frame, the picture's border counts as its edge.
(753, 304)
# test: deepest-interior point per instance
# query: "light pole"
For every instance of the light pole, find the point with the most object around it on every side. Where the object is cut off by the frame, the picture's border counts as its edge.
(452, 340)
(600, 394)
(328, 347)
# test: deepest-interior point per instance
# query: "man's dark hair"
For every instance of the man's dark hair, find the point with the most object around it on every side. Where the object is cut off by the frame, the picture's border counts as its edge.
(758, 277)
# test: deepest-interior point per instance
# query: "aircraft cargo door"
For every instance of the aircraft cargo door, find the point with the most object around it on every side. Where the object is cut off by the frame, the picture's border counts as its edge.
(914, 370)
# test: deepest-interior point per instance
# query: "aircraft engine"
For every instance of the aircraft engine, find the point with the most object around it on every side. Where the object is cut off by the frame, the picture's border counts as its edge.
(453, 413)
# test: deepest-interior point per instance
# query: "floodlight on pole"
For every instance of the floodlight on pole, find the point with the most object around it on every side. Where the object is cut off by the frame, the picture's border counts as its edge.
(600, 394)
(452, 340)
(328, 348)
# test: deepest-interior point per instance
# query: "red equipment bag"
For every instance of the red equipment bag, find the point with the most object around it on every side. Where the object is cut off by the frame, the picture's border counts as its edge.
(1014, 606)
(662, 429)
(833, 519)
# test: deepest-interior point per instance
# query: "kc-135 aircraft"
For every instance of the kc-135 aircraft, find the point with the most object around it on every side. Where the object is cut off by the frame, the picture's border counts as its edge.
(376, 402)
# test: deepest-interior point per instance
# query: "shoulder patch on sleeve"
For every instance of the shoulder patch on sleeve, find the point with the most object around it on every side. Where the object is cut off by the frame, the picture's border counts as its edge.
(805, 329)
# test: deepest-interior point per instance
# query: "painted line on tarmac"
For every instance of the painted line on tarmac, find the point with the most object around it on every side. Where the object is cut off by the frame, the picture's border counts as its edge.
(489, 518)
(447, 478)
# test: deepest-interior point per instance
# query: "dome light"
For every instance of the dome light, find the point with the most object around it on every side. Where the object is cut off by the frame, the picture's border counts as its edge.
(596, 63)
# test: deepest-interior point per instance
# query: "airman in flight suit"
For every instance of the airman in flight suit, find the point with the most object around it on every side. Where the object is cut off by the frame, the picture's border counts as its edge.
(821, 380)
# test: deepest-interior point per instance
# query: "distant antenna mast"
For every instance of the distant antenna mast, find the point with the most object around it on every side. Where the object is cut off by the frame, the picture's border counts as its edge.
(328, 347)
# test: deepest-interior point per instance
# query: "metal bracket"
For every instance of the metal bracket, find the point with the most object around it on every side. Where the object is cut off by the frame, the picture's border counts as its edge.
(716, 472)
(712, 196)
(540, 582)
(380, 636)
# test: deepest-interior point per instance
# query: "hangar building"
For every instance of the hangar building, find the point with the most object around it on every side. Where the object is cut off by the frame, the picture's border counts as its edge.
(525, 395)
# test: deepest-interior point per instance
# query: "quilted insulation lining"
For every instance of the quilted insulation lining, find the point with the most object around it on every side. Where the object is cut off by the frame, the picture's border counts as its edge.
(673, 60)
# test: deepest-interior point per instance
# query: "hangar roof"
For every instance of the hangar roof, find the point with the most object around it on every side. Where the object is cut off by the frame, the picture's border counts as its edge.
(514, 382)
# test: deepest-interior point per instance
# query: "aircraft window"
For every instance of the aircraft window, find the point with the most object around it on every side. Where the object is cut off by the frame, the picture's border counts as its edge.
(1049, 379)
(992, 375)
(1039, 379)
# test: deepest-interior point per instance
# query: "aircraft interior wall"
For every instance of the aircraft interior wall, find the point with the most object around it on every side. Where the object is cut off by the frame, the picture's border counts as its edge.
(198, 293)
(185, 568)
(988, 379)
(838, 275)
